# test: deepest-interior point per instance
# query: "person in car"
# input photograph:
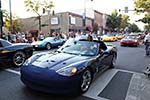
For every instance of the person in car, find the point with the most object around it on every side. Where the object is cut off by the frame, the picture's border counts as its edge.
(90, 38)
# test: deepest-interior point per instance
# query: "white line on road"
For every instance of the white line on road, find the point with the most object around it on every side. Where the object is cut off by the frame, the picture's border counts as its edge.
(13, 71)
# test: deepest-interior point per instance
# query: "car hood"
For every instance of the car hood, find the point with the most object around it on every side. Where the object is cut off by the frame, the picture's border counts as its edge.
(58, 60)
(18, 44)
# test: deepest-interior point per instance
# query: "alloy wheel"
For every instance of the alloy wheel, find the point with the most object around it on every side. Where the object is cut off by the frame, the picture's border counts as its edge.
(86, 80)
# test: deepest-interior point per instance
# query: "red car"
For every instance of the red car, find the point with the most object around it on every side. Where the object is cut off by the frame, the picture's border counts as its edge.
(129, 40)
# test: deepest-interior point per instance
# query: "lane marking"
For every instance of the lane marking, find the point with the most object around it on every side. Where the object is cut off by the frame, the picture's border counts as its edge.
(13, 71)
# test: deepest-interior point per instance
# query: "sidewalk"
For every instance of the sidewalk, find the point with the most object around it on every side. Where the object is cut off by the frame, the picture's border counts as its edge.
(139, 88)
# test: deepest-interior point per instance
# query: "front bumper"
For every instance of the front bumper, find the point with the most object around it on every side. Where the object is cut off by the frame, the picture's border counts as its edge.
(129, 43)
(45, 80)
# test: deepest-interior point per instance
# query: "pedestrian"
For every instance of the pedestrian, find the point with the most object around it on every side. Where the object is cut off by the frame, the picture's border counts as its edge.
(9, 37)
(147, 43)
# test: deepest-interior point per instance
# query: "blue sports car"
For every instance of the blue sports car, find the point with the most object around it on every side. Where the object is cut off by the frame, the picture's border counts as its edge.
(69, 70)
(48, 43)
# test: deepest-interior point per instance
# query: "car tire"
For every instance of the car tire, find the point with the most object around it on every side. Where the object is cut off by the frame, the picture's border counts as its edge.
(18, 58)
(86, 79)
(113, 61)
(48, 46)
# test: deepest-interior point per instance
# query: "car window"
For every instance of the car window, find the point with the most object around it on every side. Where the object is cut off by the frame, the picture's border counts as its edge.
(83, 48)
(131, 37)
(49, 39)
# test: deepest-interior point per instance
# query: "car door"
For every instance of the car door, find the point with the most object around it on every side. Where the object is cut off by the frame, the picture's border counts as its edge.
(104, 60)
(58, 41)
(2, 52)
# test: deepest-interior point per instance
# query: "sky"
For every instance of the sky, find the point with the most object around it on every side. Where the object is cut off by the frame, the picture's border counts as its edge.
(104, 6)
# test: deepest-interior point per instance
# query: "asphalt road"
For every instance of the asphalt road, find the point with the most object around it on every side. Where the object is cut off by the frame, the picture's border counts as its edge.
(129, 59)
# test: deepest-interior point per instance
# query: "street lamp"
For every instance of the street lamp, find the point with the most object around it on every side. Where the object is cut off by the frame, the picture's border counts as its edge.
(84, 14)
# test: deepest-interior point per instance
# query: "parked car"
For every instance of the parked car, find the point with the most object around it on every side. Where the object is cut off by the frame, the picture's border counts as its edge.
(48, 43)
(130, 40)
(14, 54)
(69, 70)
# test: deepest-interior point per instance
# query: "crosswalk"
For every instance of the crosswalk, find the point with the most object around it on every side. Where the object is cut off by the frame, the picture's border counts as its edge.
(138, 83)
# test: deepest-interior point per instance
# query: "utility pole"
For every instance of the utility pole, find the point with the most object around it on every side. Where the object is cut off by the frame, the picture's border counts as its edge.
(1, 20)
(49, 18)
(11, 29)
(84, 14)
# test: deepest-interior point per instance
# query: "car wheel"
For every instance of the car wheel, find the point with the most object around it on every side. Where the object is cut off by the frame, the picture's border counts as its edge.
(48, 46)
(18, 58)
(113, 62)
(86, 80)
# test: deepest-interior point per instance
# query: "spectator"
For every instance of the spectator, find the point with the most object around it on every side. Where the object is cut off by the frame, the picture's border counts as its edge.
(147, 43)
(9, 37)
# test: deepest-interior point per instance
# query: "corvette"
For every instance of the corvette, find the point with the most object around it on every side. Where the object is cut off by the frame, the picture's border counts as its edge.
(109, 37)
(48, 43)
(69, 70)
(130, 40)
(14, 54)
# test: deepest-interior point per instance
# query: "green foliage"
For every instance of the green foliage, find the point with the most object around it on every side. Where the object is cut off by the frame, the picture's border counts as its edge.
(143, 6)
(147, 28)
(134, 28)
(16, 23)
(124, 21)
(113, 21)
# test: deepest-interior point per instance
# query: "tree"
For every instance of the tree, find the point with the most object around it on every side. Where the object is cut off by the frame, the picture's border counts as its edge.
(134, 28)
(124, 21)
(113, 21)
(16, 23)
(39, 7)
(143, 6)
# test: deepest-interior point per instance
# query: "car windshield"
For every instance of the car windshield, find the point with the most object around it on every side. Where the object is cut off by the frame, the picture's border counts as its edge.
(131, 37)
(81, 37)
(49, 39)
(83, 48)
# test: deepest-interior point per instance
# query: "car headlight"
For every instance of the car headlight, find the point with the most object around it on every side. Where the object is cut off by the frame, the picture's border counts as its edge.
(67, 71)
(135, 41)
